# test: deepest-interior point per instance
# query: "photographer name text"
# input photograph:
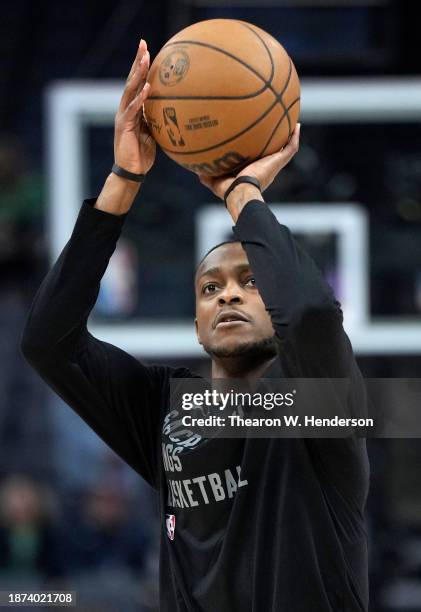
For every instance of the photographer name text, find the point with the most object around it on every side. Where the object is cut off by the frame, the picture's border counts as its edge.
(235, 420)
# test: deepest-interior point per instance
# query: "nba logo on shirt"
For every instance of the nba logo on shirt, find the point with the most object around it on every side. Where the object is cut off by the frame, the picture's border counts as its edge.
(170, 524)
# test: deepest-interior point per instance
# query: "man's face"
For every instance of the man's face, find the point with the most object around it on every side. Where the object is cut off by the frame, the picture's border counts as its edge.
(230, 314)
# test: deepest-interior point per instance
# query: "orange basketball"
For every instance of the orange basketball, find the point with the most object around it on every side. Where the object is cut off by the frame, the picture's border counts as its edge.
(223, 93)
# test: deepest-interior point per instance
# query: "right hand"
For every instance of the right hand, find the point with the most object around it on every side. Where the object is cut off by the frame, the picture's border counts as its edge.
(264, 169)
(134, 147)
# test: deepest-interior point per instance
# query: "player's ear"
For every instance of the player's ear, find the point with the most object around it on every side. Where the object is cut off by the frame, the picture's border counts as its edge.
(197, 331)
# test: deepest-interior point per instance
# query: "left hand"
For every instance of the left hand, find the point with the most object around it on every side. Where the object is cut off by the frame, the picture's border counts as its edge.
(264, 169)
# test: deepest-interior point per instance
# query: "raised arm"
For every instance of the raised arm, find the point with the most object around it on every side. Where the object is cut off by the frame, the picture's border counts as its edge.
(114, 393)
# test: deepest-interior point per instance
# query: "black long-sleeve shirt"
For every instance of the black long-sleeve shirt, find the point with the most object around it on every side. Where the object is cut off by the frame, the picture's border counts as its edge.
(248, 525)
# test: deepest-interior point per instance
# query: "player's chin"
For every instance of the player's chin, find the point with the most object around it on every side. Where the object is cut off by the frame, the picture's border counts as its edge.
(233, 345)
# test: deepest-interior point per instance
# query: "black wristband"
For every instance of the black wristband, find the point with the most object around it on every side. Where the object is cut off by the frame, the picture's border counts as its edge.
(241, 179)
(131, 176)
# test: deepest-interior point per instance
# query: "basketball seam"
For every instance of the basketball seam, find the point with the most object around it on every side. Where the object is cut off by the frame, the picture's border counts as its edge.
(272, 64)
(278, 96)
(247, 97)
(276, 127)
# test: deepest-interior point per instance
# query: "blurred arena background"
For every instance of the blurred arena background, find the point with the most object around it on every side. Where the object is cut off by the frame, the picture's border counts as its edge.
(72, 515)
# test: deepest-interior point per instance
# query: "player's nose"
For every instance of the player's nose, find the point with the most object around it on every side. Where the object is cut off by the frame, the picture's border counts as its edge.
(231, 294)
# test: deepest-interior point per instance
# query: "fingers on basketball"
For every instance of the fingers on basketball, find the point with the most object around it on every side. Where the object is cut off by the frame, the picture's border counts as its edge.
(136, 105)
(143, 71)
(282, 157)
(137, 76)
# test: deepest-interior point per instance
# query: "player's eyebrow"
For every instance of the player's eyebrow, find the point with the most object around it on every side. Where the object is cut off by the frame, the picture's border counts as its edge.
(210, 272)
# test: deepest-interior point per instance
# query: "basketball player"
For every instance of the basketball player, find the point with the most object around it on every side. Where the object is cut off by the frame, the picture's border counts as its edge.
(248, 525)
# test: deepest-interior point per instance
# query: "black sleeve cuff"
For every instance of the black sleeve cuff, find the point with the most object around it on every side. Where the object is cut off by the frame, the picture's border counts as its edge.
(88, 206)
